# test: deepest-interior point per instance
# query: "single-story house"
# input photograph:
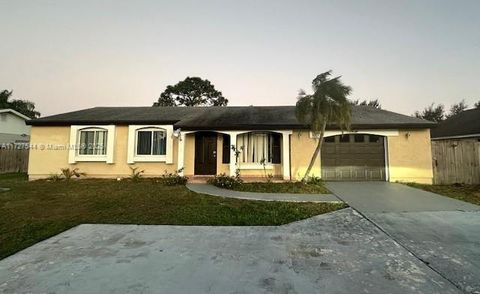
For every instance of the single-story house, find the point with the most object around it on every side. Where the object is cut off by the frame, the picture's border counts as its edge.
(13, 128)
(205, 141)
(456, 149)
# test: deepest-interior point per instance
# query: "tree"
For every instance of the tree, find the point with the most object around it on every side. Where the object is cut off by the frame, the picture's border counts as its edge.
(25, 107)
(432, 113)
(328, 104)
(193, 91)
(457, 108)
(372, 103)
(477, 105)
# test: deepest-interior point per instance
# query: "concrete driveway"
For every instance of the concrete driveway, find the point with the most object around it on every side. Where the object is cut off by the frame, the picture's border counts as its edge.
(441, 231)
(339, 252)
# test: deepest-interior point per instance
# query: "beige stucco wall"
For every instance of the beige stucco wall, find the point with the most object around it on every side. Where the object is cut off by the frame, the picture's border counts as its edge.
(47, 161)
(410, 157)
(189, 157)
(302, 148)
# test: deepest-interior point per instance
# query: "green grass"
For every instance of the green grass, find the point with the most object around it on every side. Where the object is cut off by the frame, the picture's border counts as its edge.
(467, 193)
(33, 211)
(285, 187)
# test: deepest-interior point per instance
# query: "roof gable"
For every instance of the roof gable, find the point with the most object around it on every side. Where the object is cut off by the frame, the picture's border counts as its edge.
(14, 112)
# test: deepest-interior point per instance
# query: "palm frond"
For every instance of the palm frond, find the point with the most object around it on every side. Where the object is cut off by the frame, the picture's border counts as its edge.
(327, 104)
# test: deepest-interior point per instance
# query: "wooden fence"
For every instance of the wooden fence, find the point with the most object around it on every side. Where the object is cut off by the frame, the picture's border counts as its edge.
(13, 160)
(456, 161)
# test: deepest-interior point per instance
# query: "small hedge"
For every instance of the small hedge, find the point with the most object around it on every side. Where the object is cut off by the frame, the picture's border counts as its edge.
(224, 181)
(173, 179)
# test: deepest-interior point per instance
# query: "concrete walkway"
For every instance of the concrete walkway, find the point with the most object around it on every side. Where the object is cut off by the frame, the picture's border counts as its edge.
(288, 197)
(338, 252)
(441, 231)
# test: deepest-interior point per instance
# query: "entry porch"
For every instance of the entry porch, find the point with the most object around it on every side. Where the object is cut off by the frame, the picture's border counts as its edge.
(253, 154)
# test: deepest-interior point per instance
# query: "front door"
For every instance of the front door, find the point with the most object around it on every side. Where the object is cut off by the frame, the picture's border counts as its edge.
(205, 153)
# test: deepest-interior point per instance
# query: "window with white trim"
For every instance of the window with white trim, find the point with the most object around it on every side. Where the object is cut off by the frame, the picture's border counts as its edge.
(151, 141)
(92, 141)
(258, 147)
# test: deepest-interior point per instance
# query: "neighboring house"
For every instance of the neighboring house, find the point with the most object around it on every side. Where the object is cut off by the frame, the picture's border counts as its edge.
(456, 149)
(13, 128)
(199, 141)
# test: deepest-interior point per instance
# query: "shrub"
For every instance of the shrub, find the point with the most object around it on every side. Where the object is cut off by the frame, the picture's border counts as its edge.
(55, 177)
(314, 181)
(136, 175)
(224, 181)
(173, 179)
(68, 173)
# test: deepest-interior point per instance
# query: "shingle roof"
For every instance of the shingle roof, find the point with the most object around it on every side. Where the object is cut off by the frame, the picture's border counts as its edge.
(463, 124)
(231, 117)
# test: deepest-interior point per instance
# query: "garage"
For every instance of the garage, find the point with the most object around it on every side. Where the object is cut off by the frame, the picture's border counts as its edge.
(353, 157)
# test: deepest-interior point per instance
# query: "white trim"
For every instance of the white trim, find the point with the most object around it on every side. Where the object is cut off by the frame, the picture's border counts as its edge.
(286, 154)
(73, 155)
(385, 149)
(132, 157)
(233, 156)
(456, 137)
(9, 110)
(181, 153)
(255, 166)
(385, 133)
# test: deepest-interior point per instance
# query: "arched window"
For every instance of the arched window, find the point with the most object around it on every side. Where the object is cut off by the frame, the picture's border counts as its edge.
(151, 141)
(92, 141)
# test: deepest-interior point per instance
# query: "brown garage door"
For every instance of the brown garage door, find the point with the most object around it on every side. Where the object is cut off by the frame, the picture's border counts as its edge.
(356, 157)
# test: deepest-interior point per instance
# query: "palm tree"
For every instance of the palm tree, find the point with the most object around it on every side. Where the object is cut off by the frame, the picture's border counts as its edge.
(328, 104)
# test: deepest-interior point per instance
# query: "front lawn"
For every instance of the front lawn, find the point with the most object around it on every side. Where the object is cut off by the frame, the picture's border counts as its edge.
(286, 187)
(33, 211)
(467, 193)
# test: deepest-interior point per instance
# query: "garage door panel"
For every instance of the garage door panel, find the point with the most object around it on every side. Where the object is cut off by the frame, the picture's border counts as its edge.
(354, 161)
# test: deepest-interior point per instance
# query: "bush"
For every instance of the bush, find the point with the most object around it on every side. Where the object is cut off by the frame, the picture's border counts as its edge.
(55, 178)
(173, 179)
(314, 181)
(224, 181)
(136, 175)
(66, 174)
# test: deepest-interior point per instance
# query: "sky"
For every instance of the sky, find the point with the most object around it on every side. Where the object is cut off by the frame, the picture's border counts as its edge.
(69, 55)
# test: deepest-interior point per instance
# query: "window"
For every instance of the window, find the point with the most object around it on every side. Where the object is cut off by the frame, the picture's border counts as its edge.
(258, 147)
(359, 138)
(226, 149)
(151, 142)
(374, 139)
(330, 139)
(344, 138)
(92, 142)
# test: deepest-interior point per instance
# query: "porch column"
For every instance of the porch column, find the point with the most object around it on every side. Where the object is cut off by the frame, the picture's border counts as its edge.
(233, 157)
(181, 153)
(286, 155)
